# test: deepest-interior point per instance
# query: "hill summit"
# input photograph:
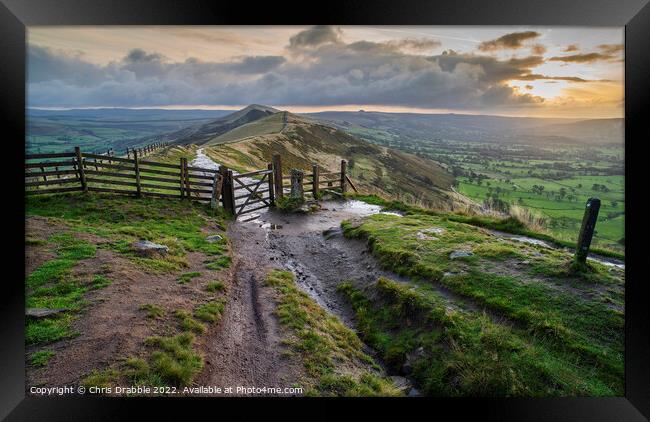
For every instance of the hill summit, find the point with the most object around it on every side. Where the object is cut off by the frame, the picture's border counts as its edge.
(302, 141)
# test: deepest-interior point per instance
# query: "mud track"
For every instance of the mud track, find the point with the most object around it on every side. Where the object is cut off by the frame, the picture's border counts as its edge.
(248, 349)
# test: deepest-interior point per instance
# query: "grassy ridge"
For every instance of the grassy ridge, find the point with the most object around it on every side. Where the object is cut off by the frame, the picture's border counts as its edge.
(508, 225)
(567, 317)
(303, 143)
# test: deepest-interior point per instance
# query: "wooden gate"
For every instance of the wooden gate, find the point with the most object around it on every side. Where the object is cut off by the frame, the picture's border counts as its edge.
(247, 192)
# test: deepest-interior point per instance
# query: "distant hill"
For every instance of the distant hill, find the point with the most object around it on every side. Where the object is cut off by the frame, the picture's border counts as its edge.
(464, 127)
(593, 131)
(103, 128)
(206, 132)
(302, 141)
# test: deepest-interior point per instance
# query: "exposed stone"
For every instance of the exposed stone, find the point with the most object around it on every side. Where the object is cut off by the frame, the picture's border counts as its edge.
(414, 392)
(422, 236)
(434, 230)
(401, 383)
(407, 368)
(149, 249)
(297, 189)
(460, 254)
(214, 238)
(41, 312)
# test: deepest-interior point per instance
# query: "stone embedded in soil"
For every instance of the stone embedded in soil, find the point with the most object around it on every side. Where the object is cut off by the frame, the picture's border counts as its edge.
(401, 383)
(214, 238)
(422, 236)
(149, 249)
(414, 392)
(434, 230)
(460, 254)
(41, 312)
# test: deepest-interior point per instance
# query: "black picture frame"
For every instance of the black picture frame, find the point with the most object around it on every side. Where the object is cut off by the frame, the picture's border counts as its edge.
(15, 15)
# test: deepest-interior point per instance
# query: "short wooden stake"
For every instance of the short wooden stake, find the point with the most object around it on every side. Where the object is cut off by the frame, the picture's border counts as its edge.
(587, 229)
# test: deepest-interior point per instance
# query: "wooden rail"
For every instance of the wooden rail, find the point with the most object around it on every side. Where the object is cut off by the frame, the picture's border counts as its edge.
(131, 175)
(112, 174)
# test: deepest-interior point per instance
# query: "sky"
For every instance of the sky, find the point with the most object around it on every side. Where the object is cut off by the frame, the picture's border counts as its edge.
(553, 71)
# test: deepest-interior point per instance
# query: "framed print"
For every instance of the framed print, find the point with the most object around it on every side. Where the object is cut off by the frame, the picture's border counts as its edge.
(432, 203)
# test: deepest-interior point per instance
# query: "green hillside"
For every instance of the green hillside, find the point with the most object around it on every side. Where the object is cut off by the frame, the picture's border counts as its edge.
(301, 143)
(264, 126)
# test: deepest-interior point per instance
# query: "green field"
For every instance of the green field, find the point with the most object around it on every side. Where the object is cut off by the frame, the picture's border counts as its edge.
(557, 196)
(550, 180)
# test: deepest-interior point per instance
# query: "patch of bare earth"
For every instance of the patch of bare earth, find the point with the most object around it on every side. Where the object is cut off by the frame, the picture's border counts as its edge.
(38, 228)
(112, 326)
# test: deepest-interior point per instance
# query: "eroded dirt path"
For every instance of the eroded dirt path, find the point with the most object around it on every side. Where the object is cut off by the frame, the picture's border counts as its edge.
(248, 349)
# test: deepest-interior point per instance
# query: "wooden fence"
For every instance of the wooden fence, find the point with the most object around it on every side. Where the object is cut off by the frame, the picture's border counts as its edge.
(320, 181)
(238, 193)
(87, 172)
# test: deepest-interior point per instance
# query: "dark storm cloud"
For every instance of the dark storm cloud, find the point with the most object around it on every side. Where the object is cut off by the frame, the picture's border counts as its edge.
(582, 58)
(319, 69)
(257, 64)
(538, 49)
(317, 35)
(611, 49)
(534, 77)
(417, 44)
(508, 41)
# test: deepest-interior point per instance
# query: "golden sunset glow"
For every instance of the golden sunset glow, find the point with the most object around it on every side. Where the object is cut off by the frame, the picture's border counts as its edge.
(518, 71)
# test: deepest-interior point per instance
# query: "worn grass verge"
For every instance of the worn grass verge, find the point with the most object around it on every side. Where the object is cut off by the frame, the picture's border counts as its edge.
(508, 224)
(325, 345)
(454, 353)
(546, 302)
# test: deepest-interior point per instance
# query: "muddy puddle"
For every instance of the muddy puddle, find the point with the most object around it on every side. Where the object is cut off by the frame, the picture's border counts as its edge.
(313, 247)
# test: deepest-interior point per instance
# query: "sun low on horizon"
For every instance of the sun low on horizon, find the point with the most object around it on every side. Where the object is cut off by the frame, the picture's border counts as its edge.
(573, 72)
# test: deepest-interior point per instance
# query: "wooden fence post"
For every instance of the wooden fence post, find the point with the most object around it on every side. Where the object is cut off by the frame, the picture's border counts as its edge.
(182, 178)
(587, 229)
(316, 180)
(136, 161)
(277, 175)
(217, 185)
(80, 169)
(227, 191)
(186, 176)
(270, 176)
(343, 171)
